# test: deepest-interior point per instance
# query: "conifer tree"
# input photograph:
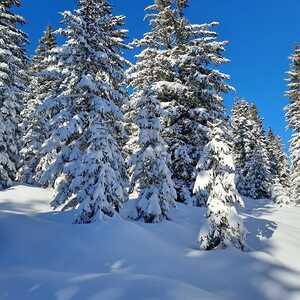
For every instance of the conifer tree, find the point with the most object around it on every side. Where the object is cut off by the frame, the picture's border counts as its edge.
(250, 151)
(86, 167)
(46, 44)
(34, 125)
(184, 60)
(151, 176)
(293, 119)
(280, 193)
(279, 165)
(216, 180)
(198, 100)
(240, 125)
(130, 142)
(13, 64)
(256, 173)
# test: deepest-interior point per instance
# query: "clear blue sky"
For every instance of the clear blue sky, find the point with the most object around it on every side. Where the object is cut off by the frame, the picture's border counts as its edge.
(262, 34)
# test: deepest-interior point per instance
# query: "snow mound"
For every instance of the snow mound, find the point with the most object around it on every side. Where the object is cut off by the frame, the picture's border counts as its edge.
(44, 256)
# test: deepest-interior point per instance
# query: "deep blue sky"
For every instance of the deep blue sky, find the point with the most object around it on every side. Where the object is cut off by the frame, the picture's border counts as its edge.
(262, 34)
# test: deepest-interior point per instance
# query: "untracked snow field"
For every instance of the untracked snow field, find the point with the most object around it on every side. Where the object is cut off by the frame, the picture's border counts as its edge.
(43, 256)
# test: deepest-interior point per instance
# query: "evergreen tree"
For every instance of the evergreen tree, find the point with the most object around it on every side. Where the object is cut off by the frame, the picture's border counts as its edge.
(152, 66)
(280, 193)
(279, 165)
(250, 151)
(216, 180)
(46, 44)
(130, 142)
(86, 167)
(293, 119)
(151, 176)
(34, 125)
(13, 64)
(240, 125)
(184, 57)
(256, 173)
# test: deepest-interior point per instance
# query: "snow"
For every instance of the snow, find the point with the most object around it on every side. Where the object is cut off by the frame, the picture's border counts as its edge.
(88, 81)
(44, 256)
(202, 180)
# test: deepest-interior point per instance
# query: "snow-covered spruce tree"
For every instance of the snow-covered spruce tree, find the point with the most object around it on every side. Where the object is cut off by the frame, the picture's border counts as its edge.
(293, 119)
(195, 101)
(13, 64)
(279, 164)
(130, 143)
(280, 193)
(279, 170)
(189, 88)
(216, 179)
(250, 152)
(151, 177)
(34, 124)
(241, 137)
(257, 168)
(88, 171)
(152, 67)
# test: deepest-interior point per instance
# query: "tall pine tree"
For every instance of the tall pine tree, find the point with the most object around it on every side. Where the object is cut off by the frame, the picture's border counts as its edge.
(86, 167)
(35, 126)
(279, 164)
(293, 118)
(151, 177)
(257, 167)
(250, 151)
(242, 138)
(184, 60)
(13, 64)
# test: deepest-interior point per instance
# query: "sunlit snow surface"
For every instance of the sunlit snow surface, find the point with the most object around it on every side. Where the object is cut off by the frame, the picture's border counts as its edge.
(43, 256)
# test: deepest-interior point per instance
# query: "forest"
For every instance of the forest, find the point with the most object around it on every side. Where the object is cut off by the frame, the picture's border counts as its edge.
(142, 142)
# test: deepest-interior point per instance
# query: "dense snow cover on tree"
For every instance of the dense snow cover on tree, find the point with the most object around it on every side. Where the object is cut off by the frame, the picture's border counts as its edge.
(250, 151)
(280, 193)
(279, 164)
(13, 64)
(182, 59)
(85, 164)
(215, 186)
(293, 118)
(151, 176)
(34, 125)
(241, 137)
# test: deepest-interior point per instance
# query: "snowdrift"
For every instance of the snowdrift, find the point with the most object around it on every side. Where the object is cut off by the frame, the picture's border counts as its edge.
(44, 256)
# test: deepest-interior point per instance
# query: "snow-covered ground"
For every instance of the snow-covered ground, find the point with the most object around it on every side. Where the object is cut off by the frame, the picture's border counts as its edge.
(45, 257)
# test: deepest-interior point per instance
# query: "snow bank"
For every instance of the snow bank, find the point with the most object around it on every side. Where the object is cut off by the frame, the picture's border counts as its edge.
(44, 256)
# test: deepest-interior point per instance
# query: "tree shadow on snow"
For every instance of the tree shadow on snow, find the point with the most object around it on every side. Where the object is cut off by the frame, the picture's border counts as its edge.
(147, 262)
(250, 275)
(259, 233)
(259, 207)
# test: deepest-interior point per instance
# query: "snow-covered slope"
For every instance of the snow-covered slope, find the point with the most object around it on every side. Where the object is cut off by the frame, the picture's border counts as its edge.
(44, 256)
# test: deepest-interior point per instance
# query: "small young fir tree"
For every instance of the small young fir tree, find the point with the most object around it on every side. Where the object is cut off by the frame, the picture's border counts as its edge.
(151, 176)
(216, 182)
